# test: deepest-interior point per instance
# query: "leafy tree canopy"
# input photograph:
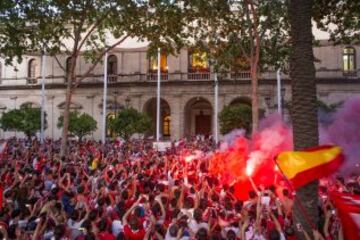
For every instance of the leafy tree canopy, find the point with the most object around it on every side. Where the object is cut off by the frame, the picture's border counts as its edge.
(26, 120)
(129, 121)
(235, 117)
(80, 124)
(225, 29)
(340, 18)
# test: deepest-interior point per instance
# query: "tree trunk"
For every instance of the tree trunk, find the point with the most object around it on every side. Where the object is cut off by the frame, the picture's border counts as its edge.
(254, 99)
(304, 109)
(64, 137)
(71, 78)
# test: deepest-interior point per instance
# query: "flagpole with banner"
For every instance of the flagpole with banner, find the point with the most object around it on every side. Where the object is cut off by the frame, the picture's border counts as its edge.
(302, 167)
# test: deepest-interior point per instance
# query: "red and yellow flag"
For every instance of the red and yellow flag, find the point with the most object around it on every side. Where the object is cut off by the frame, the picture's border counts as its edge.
(302, 167)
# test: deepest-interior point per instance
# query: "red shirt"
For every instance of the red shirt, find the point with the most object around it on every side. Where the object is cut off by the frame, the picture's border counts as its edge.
(105, 236)
(133, 235)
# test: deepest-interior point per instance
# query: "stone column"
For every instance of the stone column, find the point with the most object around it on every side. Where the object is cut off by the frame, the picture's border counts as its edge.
(177, 117)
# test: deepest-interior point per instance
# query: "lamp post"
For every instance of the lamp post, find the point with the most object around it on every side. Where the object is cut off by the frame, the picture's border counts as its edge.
(127, 102)
(283, 91)
(92, 109)
(115, 93)
(268, 103)
(14, 98)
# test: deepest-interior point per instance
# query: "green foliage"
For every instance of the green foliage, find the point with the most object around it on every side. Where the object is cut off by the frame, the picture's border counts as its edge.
(235, 117)
(340, 19)
(26, 120)
(79, 124)
(328, 108)
(225, 29)
(45, 25)
(129, 121)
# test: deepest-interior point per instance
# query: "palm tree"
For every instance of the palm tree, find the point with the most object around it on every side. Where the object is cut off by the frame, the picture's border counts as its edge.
(304, 109)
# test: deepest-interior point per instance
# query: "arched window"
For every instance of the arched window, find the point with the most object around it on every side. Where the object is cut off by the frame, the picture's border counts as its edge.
(154, 64)
(198, 61)
(349, 60)
(31, 76)
(112, 68)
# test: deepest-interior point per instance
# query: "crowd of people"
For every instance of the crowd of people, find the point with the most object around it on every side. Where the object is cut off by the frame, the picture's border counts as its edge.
(127, 190)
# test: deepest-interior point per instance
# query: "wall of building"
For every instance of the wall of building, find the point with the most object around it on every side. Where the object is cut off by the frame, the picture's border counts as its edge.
(333, 87)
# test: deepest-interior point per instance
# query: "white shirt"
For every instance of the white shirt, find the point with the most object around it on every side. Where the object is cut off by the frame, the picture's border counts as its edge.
(194, 226)
(116, 227)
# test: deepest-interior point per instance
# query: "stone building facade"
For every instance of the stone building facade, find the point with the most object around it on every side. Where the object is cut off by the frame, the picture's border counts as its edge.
(187, 87)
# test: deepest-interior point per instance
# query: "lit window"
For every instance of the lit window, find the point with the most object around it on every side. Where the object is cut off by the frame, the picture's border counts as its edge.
(198, 62)
(163, 64)
(166, 126)
(349, 59)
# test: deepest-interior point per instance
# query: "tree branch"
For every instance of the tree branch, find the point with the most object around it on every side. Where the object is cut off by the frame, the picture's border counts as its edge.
(98, 22)
(58, 62)
(99, 59)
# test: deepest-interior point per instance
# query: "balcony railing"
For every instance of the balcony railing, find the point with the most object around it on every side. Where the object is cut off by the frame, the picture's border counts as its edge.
(199, 76)
(31, 81)
(350, 73)
(165, 77)
(240, 75)
(154, 76)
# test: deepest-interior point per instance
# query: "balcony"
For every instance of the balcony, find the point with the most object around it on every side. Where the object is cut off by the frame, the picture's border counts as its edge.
(154, 76)
(350, 74)
(31, 81)
(199, 76)
(240, 75)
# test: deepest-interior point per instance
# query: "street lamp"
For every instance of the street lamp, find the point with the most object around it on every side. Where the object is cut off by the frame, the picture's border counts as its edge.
(283, 91)
(115, 93)
(268, 101)
(14, 98)
(127, 102)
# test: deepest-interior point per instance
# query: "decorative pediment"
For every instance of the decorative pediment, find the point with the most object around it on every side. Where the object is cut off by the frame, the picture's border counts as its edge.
(2, 107)
(73, 106)
(111, 105)
(30, 105)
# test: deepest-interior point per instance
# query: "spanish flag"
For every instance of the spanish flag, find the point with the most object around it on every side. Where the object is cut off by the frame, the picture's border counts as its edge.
(302, 167)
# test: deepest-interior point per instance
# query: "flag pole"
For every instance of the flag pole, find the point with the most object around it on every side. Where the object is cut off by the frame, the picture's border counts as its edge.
(103, 137)
(302, 209)
(158, 97)
(42, 129)
(216, 107)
